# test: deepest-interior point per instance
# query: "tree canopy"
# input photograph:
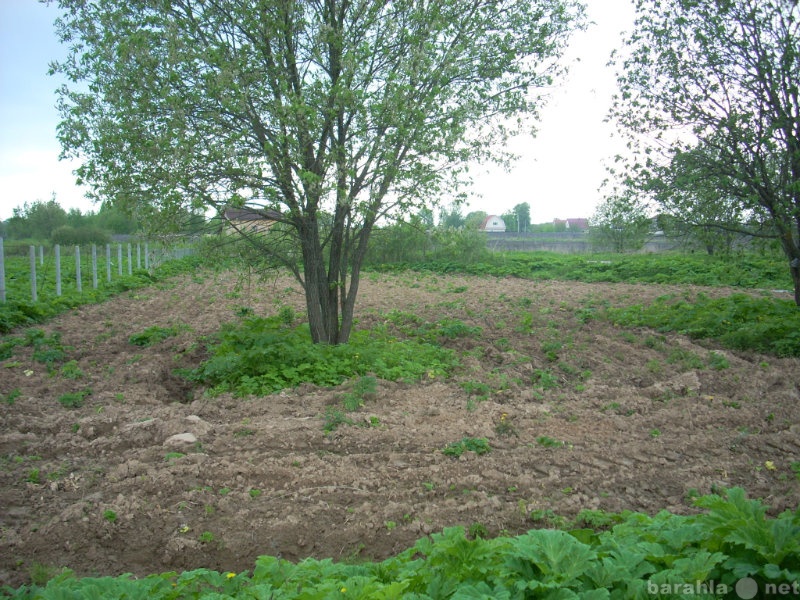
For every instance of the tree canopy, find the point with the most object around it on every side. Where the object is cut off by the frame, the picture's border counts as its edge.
(709, 95)
(358, 109)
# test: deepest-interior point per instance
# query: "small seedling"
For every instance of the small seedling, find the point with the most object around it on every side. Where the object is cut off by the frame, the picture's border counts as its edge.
(254, 493)
(206, 537)
(11, 397)
(110, 516)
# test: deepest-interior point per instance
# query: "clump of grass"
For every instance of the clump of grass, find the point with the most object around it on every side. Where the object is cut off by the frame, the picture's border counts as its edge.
(154, 335)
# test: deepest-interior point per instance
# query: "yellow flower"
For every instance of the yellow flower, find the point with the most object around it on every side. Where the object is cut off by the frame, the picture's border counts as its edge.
(230, 575)
(343, 590)
(770, 465)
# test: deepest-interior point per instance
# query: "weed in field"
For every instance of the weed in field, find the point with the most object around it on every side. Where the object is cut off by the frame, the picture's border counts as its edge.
(545, 379)
(287, 315)
(71, 370)
(74, 399)
(504, 427)
(718, 361)
(155, 334)
(11, 397)
(254, 493)
(333, 418)
(548, 442)
(477, 530)
(206, 537)
(110, 516)
(34, 476)
(551, 350)
(46, 349)
(363, 389)
(468, 444)
(525, 325)
(477, 389)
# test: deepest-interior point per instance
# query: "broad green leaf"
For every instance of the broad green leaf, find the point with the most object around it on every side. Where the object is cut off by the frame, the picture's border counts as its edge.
(555, 555)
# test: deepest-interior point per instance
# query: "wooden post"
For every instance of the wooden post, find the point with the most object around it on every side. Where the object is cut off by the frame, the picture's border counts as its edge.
(33, 273)
(57, 250)
(2, 272)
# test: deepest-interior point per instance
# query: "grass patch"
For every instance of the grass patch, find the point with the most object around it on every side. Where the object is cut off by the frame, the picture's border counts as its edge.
(738, 321)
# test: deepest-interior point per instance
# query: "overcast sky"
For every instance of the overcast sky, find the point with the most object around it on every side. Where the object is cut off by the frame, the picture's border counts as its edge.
(558, 174)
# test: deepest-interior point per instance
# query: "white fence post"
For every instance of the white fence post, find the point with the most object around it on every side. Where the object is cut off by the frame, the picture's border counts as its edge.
(33, 273)
(108, 262)
(94, 266)
(57, 252)
(2, 272)
(78, 268)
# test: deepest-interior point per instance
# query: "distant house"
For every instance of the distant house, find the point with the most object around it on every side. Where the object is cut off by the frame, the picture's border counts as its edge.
(250, 220)
(493, 223)
(572, 224)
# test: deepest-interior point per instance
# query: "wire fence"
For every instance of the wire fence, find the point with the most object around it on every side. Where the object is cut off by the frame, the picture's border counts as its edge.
(54, 271)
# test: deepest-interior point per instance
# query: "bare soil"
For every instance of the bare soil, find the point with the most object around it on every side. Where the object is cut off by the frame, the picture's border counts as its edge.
(582, 415)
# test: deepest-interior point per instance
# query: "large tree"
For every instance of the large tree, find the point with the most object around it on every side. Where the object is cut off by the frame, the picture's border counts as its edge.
(718, 81)
(328, 113)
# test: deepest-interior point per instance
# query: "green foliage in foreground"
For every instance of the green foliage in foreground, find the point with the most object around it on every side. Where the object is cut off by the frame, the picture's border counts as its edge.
(20, 313)
(260, 356)
(664, 556)
(746, 271)
(738, 321)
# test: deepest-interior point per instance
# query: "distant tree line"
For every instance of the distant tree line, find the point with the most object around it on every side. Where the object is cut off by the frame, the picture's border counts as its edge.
(48, 222)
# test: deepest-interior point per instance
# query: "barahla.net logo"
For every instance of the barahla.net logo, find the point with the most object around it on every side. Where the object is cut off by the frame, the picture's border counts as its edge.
(746, 588)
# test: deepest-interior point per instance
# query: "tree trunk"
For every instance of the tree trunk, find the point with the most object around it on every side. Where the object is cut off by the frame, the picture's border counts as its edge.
(792, 251)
